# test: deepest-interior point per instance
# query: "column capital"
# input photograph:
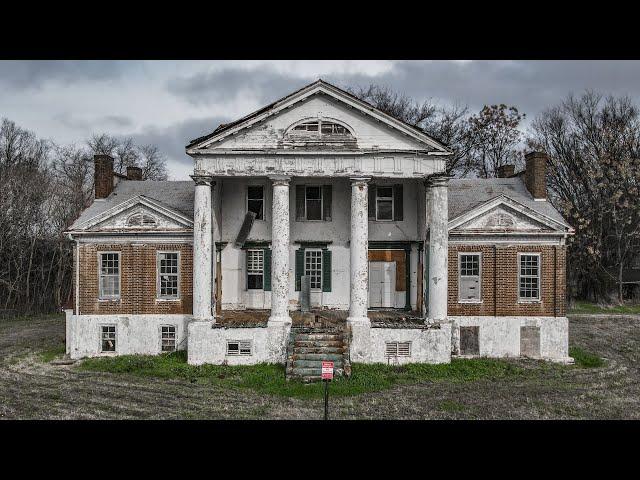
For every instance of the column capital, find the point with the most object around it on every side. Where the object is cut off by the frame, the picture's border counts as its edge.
(203, 179)
(359, 180)
(437, 180)
(280, 180)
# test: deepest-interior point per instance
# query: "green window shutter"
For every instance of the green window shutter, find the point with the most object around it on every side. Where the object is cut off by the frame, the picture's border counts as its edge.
(299, 267)
(397, 202)
(266, 282)
(299, 203)
(372, 202)
(326, 270)
(326, 202)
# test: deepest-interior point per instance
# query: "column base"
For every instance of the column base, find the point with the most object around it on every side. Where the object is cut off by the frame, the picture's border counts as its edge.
(359, 321)
(360, 344)
(279, 321)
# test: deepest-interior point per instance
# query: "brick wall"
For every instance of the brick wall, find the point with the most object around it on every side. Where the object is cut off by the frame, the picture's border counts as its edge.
(138, 271)
(499, 282)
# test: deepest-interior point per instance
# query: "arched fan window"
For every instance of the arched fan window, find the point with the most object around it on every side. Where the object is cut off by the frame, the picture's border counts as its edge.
(141, 220)
(321, 127)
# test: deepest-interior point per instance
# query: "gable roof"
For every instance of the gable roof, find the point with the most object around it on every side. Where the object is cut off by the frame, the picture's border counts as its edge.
(174, 195)
(319, 86)
(467, 194)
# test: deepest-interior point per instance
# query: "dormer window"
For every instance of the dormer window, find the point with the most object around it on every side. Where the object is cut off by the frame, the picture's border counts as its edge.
(141, 220)
(321, 127)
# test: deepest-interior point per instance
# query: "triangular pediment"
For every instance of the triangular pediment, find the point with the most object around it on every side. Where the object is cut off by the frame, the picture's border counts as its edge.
(268, 127)
(139, 213)
(505, 215)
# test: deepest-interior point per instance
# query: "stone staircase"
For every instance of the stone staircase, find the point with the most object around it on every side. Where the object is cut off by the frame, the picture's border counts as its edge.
(308, 347)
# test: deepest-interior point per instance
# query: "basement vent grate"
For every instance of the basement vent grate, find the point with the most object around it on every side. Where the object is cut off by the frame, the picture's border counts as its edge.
(398, 349)
(239, 347)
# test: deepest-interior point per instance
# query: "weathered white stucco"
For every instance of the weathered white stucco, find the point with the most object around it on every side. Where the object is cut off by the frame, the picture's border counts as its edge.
(500, 336)
(438, 249)
(432, 345)
(208, 344)
(135, 334)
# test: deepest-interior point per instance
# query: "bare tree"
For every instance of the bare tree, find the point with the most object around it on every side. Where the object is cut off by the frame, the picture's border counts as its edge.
(153, 163)
(447, 124)
(594, 179)
(495, 138)
(126, 153)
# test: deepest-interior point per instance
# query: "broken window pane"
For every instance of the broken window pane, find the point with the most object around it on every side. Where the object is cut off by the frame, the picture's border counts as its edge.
(313, 199)
(255, 201)
(529, 277)
(255, 269)
(108, 333)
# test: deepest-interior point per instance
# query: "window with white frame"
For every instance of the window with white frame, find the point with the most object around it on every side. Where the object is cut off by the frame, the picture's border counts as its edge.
(168, 274)
(109, 275)
(108, 338)
(469, 277)
(313, 267)
(313, 202)
(255, 200)
(255, 269)
(168, 338)
(529, 278)
(384, 203)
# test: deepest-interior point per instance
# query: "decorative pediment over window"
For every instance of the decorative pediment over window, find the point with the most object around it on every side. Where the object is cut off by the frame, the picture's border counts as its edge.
(138, 213)
(505, 215)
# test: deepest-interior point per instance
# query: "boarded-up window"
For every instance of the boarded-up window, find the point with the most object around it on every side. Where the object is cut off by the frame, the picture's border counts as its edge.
(469, 340)
(469, 277)
(530, 342)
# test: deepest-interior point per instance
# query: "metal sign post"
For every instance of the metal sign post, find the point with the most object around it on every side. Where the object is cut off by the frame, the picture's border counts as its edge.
(327, 376)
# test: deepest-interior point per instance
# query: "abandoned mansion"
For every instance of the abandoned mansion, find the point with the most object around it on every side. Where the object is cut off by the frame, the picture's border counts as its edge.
(319, 227)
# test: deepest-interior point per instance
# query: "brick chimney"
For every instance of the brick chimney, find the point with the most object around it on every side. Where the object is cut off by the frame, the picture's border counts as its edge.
(134, 173)
(506, 171)
(535, 176)
(103, 175)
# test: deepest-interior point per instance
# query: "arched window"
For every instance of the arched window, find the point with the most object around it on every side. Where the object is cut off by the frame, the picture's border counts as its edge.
(320, 127)
(141, 220)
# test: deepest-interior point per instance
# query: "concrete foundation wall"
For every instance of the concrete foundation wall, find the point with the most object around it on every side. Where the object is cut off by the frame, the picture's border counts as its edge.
(135, 334)
(500, 336)
(431, 345)
(208, 344)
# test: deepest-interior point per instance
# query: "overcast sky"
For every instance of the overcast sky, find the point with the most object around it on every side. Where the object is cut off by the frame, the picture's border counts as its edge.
(168, 103)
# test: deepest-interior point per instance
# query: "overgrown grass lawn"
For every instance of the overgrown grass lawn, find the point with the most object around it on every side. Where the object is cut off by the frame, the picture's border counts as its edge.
(581, 307)
(270, 379)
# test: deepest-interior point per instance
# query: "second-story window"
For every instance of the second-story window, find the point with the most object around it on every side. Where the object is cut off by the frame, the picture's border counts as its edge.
(384, 203)
(313, 202)
(255, 200)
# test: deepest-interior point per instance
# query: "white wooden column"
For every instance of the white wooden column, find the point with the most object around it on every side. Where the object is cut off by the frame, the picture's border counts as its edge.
(438, 218)
(359, 250)
(280, 251)
(203, 249)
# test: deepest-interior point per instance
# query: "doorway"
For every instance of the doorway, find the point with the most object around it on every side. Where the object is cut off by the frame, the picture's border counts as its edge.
(382, 280)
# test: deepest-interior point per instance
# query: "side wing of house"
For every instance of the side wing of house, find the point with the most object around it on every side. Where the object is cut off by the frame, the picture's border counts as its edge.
(507, 275)
(132, 278)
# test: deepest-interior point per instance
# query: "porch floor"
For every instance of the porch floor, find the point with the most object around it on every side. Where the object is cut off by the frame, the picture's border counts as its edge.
(320, 318)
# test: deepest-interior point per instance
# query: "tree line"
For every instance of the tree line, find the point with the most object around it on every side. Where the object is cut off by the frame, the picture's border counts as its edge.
(43, 188)
(593, 176)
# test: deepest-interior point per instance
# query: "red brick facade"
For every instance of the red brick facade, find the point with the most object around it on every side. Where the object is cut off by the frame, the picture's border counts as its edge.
(499, 281)
(138, 277)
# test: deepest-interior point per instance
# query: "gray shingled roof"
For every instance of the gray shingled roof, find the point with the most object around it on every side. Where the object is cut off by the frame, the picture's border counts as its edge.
(464, 195)
(467, 193)
(174, 194)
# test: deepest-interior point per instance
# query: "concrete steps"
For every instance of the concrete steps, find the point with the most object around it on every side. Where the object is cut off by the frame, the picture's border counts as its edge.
(308, 347)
